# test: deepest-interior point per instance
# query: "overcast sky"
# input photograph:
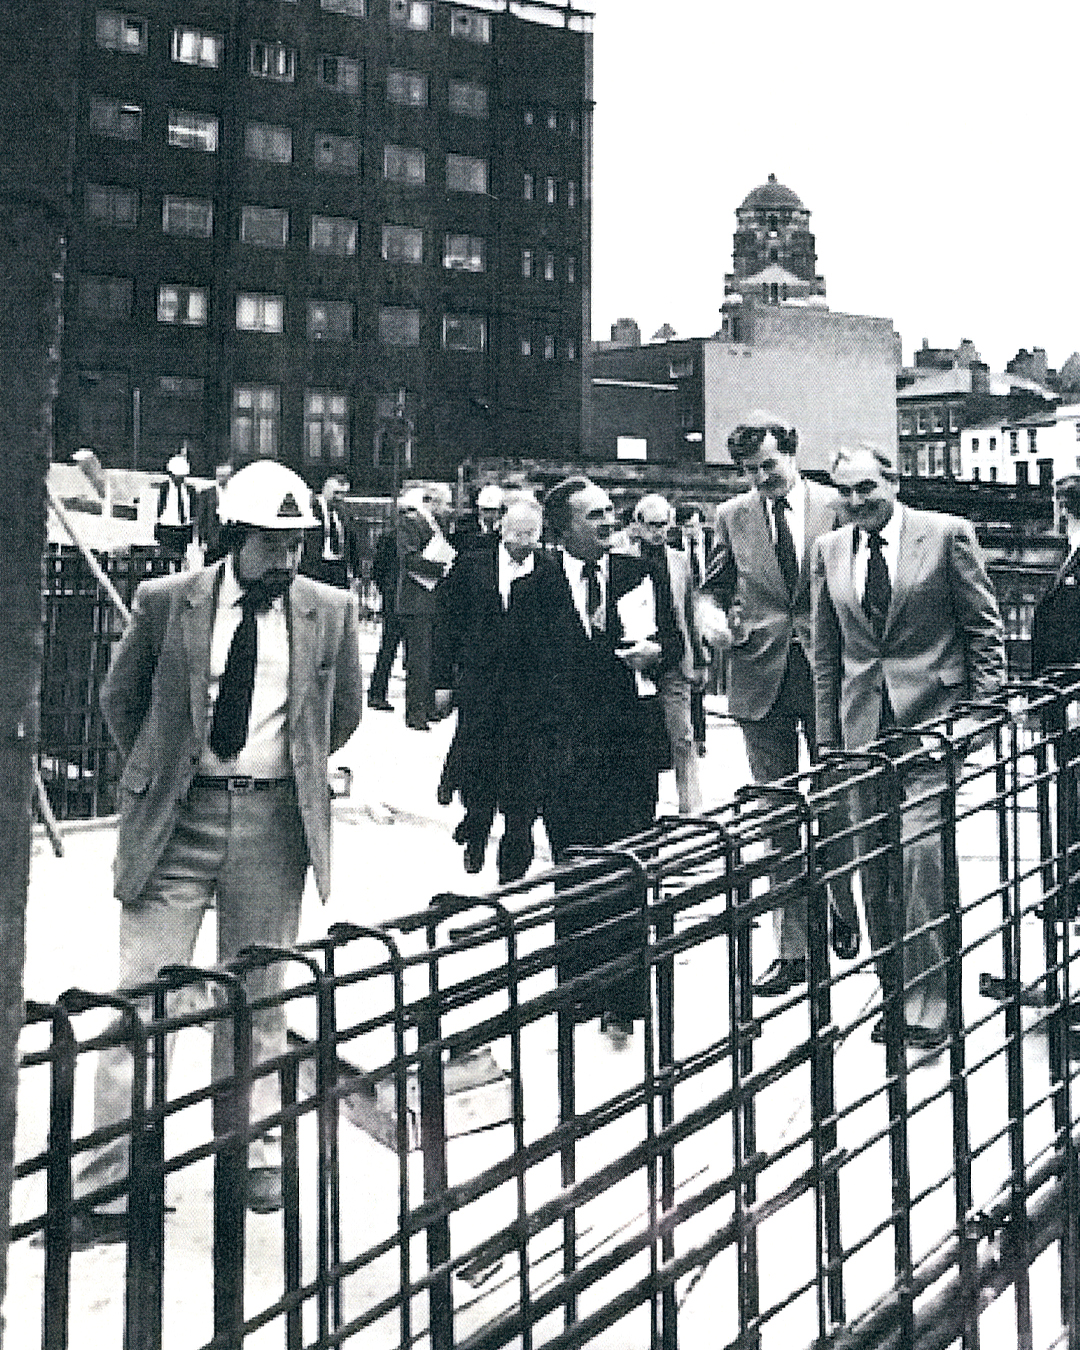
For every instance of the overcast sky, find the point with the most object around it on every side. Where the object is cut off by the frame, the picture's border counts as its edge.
(932, 141)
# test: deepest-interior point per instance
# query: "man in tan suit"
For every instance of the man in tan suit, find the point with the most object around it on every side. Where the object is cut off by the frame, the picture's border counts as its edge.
(906, 626)
(759, 575)
(229, 690)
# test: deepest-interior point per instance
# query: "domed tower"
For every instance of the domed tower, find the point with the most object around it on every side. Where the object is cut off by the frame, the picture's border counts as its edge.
(774, 250)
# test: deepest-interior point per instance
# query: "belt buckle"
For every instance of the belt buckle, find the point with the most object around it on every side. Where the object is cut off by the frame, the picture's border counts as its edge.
(242, 784)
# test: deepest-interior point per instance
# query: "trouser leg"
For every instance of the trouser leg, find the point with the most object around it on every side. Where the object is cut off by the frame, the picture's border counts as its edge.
(419, 696)
(675, 701)
(389, 641)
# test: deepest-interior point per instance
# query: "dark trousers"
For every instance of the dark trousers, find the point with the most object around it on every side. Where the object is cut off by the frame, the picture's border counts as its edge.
(389, 642)
(772, 747)
(697, 714)
(419, 691)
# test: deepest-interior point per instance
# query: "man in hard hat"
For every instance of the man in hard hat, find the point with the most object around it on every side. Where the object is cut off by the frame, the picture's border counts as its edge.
(480, 527)
(175, 522)
(229, 690)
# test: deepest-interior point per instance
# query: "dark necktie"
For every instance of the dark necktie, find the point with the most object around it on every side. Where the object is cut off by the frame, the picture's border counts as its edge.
(878, 589)
(181, 504)
(696, 572)
(591, 573)
(229, 729)
(785, 545)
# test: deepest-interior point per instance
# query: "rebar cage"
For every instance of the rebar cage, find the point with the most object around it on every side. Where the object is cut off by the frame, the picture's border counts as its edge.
(468, 1163)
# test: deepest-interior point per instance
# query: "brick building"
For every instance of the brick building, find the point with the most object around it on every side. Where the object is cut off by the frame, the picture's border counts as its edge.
(352, 234)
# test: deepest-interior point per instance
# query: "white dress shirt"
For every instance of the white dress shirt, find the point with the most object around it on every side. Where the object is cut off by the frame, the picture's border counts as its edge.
(510, 571)
(796, 517)
(265, 753)
(176, 508)
(579, 586)
(890, 550)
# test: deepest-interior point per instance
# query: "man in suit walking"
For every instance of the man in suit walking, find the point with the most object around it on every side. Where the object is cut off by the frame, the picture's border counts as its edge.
(906, 626)
(175, 521)
(424, 558)
(759, 574)
(229, 690)
(685, 667)
(329, 550)
(471, 623)
(582, 630)
(208, 523)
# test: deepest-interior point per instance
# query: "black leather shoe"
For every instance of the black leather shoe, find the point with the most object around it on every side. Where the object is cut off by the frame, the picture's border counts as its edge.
(514, 858)
(380, 704)
(782, 976)
(845, 938)
(926, 1038)
(264, 1189)
(474, 856)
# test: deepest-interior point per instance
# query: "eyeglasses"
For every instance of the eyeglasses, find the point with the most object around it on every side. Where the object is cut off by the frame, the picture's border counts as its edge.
(654, 524)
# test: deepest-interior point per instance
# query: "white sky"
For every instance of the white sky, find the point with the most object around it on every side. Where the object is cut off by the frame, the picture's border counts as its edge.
(934, 144)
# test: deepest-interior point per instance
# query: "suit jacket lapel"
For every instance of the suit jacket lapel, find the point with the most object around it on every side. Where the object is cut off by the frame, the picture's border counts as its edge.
(910, 554)
(759, 531)
(197, 624)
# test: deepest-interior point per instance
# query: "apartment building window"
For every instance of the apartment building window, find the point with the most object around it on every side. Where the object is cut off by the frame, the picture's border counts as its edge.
(470, 100)
(1031, 434)
(1023, 479)
(399, 327)
(334, 236)
(571, 194)
(264, 226)
(529, 117)
(525, 345)
(120, 32)
(549, 267)
(273, 61)
(571, 349)
(408, 88)
(464, 332)
(681, 370)
(993, 444)
(527, 187)
(572, 127)
(1014, 442)
(464, 252)
(118, 206)
(353, 8)
(326, 425)
(974, 445)
(549, 348)
(551, 191)
(193, 47)
(526, 263)
(470, 26)
(937, 417)
(185, 305)
(189, 216)
(336, 154)
(329, 320)
(193, 131)
(464, 173)
(341, 73)
(264, 141)
(571, 270)
(111, 117)
(954, 419)
(1078, 431)
(107, 298)
(907, 462)
(414, 14)
(906, 424)
(255, 432)
(921, 424)
(402, 244)
(553, 121)
(402, 164)
(172, 408)
(260, 313)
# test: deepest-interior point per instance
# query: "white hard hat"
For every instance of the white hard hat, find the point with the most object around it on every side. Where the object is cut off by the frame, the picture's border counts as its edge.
(178, 466)
(268, 495)
(490, 496)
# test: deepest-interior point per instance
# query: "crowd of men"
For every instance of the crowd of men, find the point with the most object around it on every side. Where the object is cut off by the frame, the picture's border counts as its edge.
(574, 649)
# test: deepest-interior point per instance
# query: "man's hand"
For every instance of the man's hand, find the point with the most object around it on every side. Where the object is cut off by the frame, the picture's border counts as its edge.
(639, 655)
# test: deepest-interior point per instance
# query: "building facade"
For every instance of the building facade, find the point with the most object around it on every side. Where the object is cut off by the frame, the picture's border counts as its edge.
(350, 234)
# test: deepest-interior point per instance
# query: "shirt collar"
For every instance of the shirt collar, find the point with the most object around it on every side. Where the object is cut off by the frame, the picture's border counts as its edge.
(231, 591)
(890, 531)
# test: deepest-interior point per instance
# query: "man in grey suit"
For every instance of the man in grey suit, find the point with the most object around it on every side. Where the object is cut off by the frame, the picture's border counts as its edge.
(906, 626)
(759, 575)
(229, 690)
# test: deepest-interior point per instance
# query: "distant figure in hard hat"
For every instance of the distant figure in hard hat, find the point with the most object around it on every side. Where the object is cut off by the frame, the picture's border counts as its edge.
(175, 510)
(480, 527)
(208, 522)
(329, 549)
(229, 690)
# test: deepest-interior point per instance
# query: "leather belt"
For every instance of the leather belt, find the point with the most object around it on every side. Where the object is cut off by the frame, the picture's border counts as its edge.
(240, 783)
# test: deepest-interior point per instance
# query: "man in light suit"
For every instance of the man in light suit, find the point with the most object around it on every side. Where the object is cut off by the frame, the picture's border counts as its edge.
(424, 558)
(590, 742)
(759, 575)
(229, 690)
(686, 666)
(906, 626)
